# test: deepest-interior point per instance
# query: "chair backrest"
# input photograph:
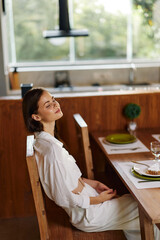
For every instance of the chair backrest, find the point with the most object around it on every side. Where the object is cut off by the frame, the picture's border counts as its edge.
(37, 190)
(82, 130)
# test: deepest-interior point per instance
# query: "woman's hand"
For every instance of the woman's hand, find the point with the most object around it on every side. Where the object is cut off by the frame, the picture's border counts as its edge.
(107, 195)
(100, 187)
(103, 196)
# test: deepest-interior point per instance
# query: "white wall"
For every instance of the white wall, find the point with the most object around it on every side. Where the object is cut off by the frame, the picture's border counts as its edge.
(89, 77)
(3, 55)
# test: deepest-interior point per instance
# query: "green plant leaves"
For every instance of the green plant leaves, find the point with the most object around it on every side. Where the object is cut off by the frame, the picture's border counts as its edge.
(132, 110)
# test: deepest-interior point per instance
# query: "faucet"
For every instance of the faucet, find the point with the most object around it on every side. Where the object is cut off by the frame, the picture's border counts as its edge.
(132, 74)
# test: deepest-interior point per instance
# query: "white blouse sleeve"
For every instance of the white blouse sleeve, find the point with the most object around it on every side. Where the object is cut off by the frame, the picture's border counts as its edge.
(60, 192)
(61, 175)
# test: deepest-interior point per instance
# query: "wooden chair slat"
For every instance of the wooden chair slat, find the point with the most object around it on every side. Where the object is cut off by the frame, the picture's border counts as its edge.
(82, 130)
(37, 190)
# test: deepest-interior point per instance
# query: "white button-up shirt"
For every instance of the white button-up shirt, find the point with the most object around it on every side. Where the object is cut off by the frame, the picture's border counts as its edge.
(58, 172)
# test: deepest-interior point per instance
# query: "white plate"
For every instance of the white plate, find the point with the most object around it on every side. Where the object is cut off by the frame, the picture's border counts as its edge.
(142, 170)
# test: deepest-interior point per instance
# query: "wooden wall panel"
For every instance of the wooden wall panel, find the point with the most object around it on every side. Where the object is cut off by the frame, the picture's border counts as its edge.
(100, 112)
(105, 112)
(15, 188)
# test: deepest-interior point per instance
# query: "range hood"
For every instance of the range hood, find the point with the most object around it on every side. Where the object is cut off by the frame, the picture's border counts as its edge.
(64, 25)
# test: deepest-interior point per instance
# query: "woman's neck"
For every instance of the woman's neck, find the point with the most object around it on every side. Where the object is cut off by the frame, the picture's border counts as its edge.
(49, 128)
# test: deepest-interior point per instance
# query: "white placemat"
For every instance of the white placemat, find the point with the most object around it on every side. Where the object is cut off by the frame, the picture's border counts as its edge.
(156, 136)
(137, 146)
(127, 166)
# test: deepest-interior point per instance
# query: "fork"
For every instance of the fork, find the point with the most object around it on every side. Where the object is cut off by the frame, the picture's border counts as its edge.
(140, 163)
(132, 149)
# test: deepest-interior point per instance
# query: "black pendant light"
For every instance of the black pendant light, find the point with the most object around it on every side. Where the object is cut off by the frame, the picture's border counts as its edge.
(64, 26)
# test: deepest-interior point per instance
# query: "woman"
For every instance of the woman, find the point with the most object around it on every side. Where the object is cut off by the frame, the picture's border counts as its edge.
(91, 205)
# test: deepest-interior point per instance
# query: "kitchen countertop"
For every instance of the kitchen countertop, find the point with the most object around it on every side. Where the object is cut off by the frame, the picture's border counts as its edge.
(92, 90)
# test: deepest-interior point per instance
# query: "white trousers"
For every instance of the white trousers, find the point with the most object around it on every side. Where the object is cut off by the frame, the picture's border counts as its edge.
(115, 214)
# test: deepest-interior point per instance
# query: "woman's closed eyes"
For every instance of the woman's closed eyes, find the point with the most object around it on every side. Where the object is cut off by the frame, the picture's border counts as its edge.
(50, 104)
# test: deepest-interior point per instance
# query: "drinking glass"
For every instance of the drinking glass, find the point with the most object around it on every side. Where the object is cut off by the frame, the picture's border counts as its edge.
(155, 149)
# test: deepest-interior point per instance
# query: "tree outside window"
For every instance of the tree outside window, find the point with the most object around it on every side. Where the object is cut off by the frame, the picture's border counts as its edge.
(107, 22)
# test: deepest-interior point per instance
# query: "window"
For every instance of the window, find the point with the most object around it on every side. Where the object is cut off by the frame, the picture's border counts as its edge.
(119, 30)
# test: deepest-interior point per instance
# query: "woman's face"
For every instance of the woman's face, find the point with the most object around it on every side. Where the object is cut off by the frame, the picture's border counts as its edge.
(48, 109)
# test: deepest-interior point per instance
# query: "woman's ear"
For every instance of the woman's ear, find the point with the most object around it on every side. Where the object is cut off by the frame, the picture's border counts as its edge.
(36, 117)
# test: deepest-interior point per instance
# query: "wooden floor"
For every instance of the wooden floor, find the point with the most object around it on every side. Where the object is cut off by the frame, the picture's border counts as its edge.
(27, 229)
(109, 235)
(19, 229)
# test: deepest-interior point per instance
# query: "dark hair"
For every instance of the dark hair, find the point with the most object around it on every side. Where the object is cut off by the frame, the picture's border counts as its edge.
(29, 107)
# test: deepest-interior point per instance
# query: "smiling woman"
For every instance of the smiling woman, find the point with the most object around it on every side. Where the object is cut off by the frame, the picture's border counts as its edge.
(91, 205)
(48, 111)
(40, 110)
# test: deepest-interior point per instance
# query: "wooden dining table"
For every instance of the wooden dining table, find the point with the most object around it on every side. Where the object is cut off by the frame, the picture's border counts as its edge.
(148, 199)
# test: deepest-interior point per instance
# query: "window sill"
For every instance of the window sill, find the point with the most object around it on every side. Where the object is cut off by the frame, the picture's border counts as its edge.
(98, 65)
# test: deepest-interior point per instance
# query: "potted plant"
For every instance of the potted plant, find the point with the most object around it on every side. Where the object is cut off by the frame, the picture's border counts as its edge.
(132, 111)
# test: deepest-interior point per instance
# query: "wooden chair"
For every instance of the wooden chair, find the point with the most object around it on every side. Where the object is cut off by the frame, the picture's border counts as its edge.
(36, 189)
(83, 136)
(84, 142)
(82, 132)
(54, 224)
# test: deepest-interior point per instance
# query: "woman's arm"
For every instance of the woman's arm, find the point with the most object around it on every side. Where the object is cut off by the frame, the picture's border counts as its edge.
(98, 186)
(103, 196)
(105, 193)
